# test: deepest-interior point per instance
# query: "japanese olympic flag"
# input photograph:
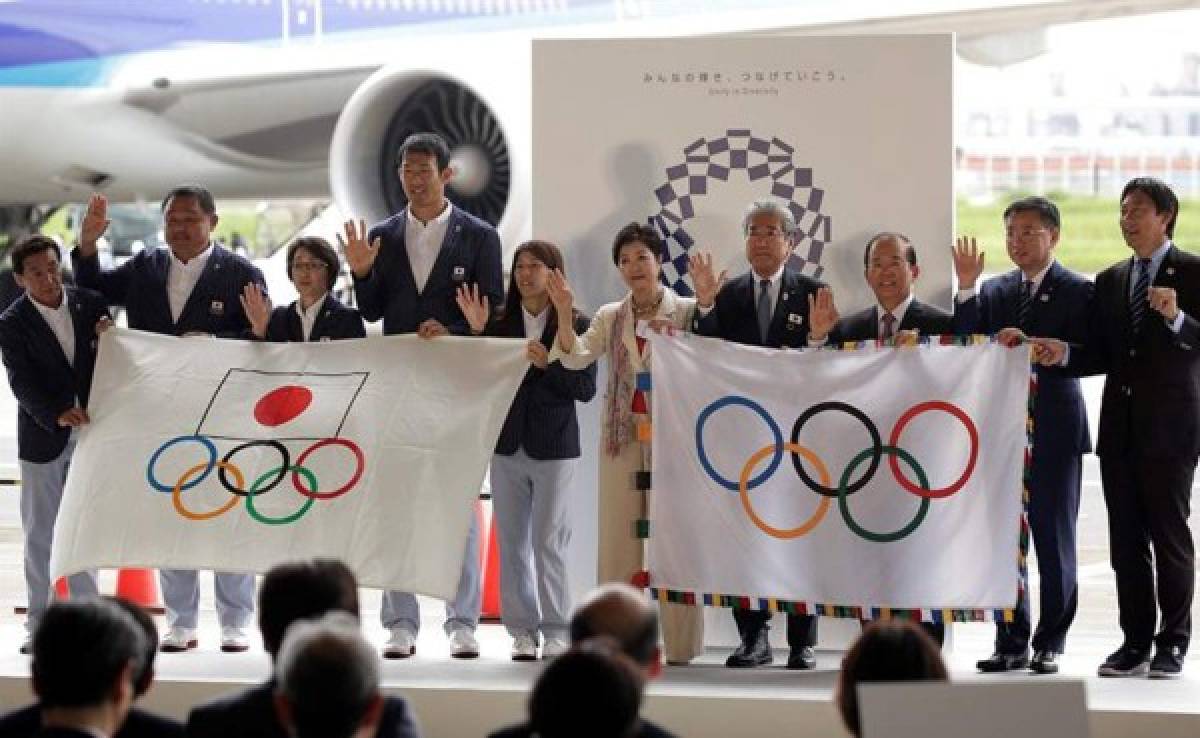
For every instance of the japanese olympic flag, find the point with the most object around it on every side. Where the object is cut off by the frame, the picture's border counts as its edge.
(230, 455)
(839, 482)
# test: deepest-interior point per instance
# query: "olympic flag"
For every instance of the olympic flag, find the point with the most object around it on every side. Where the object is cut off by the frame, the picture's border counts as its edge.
(235, 456)
(839, 482)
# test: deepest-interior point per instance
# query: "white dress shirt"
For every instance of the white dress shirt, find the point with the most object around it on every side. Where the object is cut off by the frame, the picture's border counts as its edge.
(535, 325)
(897, 312)
(182, 279)
(59, 320)
(423, 241)
(308, 318)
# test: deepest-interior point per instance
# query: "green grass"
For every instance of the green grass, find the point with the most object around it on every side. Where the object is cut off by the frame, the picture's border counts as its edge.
(1090, 239)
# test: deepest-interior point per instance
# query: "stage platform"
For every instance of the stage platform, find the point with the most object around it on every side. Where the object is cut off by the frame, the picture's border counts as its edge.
(461, 699)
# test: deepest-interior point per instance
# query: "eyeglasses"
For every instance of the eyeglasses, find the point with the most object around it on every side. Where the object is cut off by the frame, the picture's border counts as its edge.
(308, 266)
(764, 232)
(1024, 234)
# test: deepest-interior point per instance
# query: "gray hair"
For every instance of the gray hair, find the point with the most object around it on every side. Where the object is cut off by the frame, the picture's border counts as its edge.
(329, 674)
(769, 206)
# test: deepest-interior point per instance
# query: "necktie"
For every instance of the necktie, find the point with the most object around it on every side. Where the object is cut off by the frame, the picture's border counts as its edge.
(889, 326)
(1138, 298)
(764, 308)
(1025, 306)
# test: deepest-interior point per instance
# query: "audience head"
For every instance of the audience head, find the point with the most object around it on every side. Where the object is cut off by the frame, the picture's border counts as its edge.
(769, 228)
(1031, 231)
(327, 679)
(144, 677)
(890, 267)
(1148, 211)
(887, 651)
(37, 268)
(622, 613)
(86, 655)
(591, 691)
(532, 263)
(301, 590)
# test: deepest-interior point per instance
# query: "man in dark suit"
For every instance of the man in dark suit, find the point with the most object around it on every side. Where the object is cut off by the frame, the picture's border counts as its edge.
(300, 590)
(85, 655)
(1038, 298)
(139, 723)
(48, 339)
(192, 287)
(1145, 336)
(407, 270)
(890, 268)
(776, 306)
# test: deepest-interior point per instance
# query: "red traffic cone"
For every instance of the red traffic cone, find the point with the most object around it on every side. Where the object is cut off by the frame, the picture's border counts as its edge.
(139, 587)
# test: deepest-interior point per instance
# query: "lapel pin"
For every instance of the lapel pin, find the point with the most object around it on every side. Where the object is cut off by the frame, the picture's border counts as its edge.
(795, 318)
(784, 296)
(216, 307)
(460, 272)
(1170, 271)
(1045, 298)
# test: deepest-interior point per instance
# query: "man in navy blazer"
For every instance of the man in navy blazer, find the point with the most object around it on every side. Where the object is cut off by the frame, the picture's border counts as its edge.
(1038, 298)
(192, 287)
(48, 339)
(776, 306)
(407, 270)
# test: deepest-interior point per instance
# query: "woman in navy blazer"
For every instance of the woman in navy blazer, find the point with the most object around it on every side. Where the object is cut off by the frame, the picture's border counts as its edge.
(535, 456)
(316, 315)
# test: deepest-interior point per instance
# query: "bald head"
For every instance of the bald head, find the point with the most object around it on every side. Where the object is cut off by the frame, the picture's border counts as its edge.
(622, 613)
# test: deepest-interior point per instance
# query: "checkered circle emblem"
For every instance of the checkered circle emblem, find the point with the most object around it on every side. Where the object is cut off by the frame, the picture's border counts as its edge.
(706, 160)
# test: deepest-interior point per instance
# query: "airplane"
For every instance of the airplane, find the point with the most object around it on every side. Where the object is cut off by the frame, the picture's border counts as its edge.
(311, 98)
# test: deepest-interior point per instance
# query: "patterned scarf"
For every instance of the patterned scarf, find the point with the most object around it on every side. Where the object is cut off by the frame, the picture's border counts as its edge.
(618, 415)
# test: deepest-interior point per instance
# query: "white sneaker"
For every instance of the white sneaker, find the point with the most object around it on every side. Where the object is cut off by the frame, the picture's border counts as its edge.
(554, 647)
(233, 639)
(178, 640)
(463, 644)
(400, 645)
(524, 648)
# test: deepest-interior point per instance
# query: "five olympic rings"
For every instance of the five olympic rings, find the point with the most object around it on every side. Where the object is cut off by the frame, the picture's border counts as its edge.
(308, 488)
(845, 486)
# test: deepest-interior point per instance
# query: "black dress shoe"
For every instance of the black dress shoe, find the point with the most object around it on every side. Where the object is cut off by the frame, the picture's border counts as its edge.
(999, 662)
(802, 658)
(1044, 662)
(754, 650)
(1167, 663)
(1124, 662)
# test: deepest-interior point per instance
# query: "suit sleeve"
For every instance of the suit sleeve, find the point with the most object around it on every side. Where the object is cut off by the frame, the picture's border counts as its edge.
(112, 283)
(967, 316)
(371, 291)
(355, 328)
(575, 384)
(23, 379)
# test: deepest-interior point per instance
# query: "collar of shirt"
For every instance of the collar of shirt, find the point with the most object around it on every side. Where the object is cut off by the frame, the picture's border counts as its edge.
(1037, 278)
(53, 314)
(441, 218)
(195, 265)
(61, 325)
(535, 325)
(423, 241)
(1156, 259)
(897, 312)
(308, 316)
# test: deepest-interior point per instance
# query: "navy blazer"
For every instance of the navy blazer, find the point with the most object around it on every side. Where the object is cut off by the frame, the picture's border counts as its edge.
(734, 316)
(926, 320)
(1152, 391)
(140, 284)
(470, 254)
(44, 384)
(542, 417)
(1060, 310)
(27, 722)
(335, 321)
(251, 714)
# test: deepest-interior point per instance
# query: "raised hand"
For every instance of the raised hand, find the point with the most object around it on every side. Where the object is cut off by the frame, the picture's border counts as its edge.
(257, 307)
(968, 262)
(822, 314)
(705, 282)
(360, 255)
(474, 306)
(561, 295)
(94, 224)
(537, 353)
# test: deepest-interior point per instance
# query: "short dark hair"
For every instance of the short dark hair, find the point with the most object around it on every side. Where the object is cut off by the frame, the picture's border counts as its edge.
(29, 246)
(300, 590)
(328, 674)
(619, 612)
(145, 675)
(322, 251)
(886, 651)
(1160, 193)
(636, 232)
(203, 197)
(910, 254)
(80, 649)
(1045, 209)
(592, 690)
(426, 142)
